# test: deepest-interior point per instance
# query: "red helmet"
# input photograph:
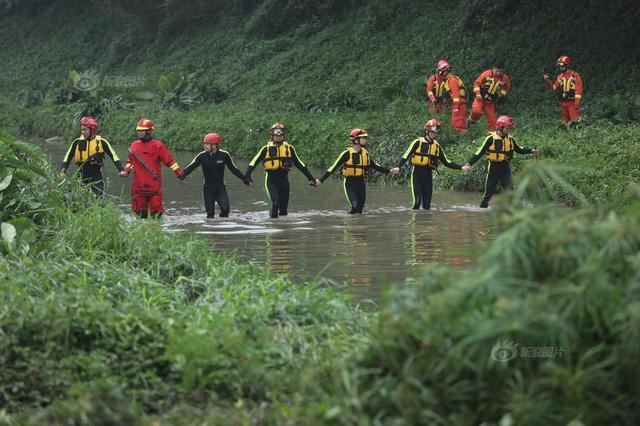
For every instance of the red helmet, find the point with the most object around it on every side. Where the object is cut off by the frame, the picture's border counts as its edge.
(357, 133)
(443, 66)
(90, 122)
(564, 60)
(144, 124)
(277, 128)
(505, 121)
(433, 125)
(212, 138)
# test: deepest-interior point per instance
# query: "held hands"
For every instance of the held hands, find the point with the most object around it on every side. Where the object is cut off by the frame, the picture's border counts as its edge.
(394, 171)
(123, 173)
(467, 167)
(315, 183)
(247, 180)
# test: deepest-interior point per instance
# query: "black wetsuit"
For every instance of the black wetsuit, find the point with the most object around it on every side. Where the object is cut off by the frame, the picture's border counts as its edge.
(213, 189)
(498, 171)
(277, 181)
(90, 169)
(354, 186)
(422, 176)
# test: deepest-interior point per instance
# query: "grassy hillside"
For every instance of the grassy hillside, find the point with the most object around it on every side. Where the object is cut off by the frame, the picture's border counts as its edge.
(323, 68)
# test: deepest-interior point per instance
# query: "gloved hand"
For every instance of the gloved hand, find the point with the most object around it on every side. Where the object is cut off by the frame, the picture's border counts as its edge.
(247, 180)
(181, 176)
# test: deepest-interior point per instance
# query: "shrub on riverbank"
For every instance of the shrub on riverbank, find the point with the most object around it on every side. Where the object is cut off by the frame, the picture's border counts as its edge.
(103, 319)
(543, 331)
(106, 321)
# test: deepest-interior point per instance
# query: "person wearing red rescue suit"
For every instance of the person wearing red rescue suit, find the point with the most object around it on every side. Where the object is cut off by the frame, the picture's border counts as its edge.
(568, 87)
(455, 92)
(146, 157)
(436, 95)
(490, 85)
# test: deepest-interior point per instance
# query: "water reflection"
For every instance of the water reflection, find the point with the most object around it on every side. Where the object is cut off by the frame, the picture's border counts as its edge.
(355, 239)
(278, 253)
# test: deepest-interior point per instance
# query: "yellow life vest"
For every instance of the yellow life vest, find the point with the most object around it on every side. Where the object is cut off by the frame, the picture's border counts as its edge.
(426, 154)
(501, 149)
(91, 152)
(567, 89)
(490, 88)
(438, 88)
(358, 163)
(278, 157)
(447, 86)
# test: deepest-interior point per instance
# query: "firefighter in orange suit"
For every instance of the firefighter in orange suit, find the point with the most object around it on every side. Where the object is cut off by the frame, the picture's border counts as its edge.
(146, 156)
(568, 87)
(490, 85)
(454, 89)
(438, 98)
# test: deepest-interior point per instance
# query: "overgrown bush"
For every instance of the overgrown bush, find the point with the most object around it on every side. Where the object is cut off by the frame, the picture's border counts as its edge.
(543, 331)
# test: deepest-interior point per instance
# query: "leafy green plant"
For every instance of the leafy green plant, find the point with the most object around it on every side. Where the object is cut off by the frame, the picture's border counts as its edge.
(457, 347)
(21, 167)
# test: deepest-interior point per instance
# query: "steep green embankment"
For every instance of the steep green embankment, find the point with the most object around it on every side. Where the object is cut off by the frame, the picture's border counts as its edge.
(324, 69)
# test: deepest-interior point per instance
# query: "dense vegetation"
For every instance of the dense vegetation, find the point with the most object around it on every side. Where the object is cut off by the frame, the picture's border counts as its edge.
(108, 322)
(104, 322)
(322, 68)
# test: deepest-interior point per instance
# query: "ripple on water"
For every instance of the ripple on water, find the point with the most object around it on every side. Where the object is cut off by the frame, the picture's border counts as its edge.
(262, 231)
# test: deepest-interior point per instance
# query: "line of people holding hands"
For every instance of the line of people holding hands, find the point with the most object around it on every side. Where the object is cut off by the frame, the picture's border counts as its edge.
(147, 154)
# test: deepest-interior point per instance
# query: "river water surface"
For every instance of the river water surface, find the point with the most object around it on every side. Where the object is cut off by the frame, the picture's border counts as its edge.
(387, 245)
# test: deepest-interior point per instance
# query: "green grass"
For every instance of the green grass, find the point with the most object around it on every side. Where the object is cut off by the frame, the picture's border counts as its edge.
(104, 321)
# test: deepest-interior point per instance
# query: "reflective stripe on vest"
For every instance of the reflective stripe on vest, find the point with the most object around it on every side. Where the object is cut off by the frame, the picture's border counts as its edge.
(426, 154)
(460, 84)
(89, 150)
(277, 156)
(358, 163)
(501, 149)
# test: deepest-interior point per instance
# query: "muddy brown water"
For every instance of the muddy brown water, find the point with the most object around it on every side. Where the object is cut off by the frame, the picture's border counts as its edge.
(387, 245)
